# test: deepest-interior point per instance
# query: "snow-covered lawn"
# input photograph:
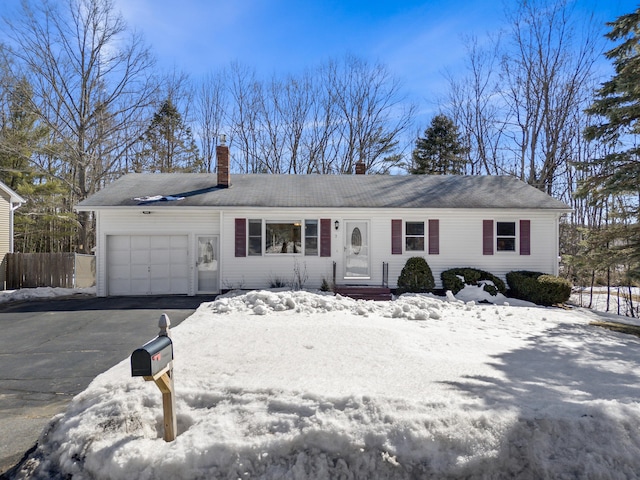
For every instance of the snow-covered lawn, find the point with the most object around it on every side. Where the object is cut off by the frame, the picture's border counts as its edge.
(298, 385)
(620, 302)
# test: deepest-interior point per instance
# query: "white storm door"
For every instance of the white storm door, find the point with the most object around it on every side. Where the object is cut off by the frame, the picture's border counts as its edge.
(357, 250)
(207, 265)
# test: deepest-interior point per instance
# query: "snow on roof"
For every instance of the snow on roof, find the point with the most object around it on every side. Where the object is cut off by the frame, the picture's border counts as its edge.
(325, 191)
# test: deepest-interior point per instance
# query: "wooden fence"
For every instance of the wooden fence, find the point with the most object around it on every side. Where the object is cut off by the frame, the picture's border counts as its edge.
(66, 270)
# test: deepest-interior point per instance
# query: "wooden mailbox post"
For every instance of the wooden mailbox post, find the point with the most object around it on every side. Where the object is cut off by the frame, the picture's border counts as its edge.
(154, 361)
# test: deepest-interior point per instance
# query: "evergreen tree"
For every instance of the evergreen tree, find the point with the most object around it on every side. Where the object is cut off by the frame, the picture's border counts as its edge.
(617, 107)
(46, 223)
(168, 143)
(20, 135)
(440, 151)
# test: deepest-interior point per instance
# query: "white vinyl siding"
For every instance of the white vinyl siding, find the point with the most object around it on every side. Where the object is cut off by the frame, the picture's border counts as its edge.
(5, 231)
(460, 245)
(460, 242)
(180, 226)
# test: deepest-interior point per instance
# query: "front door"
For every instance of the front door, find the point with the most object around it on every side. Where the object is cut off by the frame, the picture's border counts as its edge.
(207, 264)
(357, 250)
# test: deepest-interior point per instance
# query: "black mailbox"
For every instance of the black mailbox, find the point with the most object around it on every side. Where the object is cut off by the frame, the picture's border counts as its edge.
(152, 357)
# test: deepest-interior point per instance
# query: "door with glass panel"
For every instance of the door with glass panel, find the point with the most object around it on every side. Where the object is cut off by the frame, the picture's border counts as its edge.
(357, 250)
(207, 264)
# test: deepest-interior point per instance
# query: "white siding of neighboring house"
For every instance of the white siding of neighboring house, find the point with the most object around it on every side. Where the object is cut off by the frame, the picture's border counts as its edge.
(5, 241)
(460, 245)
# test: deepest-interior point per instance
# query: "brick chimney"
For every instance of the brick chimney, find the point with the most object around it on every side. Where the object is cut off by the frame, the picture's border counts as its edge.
(222, 155)
(361, 168)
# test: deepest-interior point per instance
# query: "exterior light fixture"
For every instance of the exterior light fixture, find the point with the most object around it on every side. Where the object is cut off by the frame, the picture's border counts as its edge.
(336, 224)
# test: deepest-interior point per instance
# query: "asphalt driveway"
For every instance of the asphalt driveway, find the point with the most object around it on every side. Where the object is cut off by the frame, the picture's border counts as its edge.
(50, 350)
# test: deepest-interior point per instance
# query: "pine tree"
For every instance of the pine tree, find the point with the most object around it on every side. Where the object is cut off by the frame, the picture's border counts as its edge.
(169, 143)
(20, 135)
(617, 107)
(440, 151)
(45, 223)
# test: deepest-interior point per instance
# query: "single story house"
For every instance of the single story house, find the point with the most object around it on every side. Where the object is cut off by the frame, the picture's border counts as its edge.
(9, 203)
(190, 234)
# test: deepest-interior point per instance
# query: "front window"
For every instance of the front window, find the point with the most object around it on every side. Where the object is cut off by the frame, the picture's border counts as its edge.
(255, 237)
(506, 236)
(283, 237)
(311, 237)
(414, 236)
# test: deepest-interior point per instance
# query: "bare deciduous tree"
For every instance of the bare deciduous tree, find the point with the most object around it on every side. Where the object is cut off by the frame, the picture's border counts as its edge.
(92, 83)
(544, 74)
(323, 121)
(473, 104)
(210, 108)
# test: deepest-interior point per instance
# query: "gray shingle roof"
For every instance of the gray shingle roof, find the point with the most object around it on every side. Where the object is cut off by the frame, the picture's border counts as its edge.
(359, 191)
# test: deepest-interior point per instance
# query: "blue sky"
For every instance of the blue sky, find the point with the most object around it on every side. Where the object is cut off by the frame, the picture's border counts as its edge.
(417, 40)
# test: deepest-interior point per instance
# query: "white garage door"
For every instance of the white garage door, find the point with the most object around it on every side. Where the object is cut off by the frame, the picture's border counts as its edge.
(147, 264)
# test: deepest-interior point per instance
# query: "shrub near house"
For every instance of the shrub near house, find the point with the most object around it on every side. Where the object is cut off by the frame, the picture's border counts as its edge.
(538, 287)
(416, 277)
(455, 280)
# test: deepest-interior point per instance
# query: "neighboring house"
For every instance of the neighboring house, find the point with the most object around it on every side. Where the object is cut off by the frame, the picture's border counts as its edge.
(9, 202)
(202, 233)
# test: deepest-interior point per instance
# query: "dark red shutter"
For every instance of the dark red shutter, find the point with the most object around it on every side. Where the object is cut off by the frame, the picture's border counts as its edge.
(241, 237)
(434, 237)
(396, 237)
(325, 237)
(525, 237)
(487, 237)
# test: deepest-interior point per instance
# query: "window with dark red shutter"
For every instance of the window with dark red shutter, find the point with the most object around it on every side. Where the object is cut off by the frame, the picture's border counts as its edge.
(396, 237)
(487, 237)
(241, 237)
(434, 237)
(325, 237)
(525, 237)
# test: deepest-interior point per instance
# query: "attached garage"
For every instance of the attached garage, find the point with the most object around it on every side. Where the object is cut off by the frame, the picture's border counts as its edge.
(147, 264)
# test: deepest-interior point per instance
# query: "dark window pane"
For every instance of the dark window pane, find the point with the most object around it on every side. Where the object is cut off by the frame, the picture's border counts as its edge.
(415, 243)
(255, 246)
(506, 245)
(414, 228)
(311, 228)
(507, 229)
(255, 227)
(311, 246)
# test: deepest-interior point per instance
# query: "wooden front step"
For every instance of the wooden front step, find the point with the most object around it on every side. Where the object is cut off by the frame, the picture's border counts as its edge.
(364, 292)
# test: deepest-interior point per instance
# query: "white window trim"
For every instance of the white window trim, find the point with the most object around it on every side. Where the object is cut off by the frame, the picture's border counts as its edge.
(424, 235)
(515, 237)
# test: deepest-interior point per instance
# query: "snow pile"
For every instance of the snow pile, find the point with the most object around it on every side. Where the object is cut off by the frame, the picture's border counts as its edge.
(297, 385)
(43, 292)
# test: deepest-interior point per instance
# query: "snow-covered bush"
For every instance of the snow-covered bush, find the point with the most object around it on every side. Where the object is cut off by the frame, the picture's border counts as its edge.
(416, 277)
(455, 280)
(538, 287)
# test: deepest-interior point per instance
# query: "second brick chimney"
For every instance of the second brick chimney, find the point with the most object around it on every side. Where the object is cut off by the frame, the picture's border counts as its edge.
(222, 155)
(361, 168)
